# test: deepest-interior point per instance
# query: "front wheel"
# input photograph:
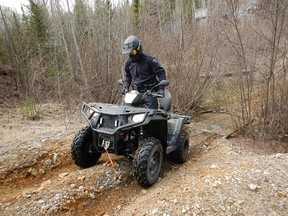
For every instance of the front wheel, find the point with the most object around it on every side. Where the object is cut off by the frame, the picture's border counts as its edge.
(82, 152)
(148, 161)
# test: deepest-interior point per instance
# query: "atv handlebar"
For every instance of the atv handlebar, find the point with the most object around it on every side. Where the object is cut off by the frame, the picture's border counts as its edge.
(154, 94)
(163, 83)
(136, 98)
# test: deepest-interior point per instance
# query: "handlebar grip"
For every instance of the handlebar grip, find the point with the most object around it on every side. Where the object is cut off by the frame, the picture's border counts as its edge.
(157, 95)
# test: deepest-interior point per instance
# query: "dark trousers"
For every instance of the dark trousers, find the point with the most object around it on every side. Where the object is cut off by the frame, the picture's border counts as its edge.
(151, 102)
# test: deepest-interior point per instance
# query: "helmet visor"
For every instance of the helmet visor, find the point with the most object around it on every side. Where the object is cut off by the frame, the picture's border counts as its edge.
(127, 48)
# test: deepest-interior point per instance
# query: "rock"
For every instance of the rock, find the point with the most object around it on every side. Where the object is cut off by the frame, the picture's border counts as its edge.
(45, 184)
(81, 178)
(266, 172)
(48, 162)
(241, 202)
(33, 171)
(175, 201)
(25, 194)
(185, 209)
(65, 207)
(253, 187)
(55, 157)
(213, 166)
(62, 175)
(227, 178)
(216, 183)
(81, 188)
(92, 196)
(41, 171)
(223, 141)
(222, 208)
(40, 201)
(281, 194)
(237, 205)
(155, 211)
(143, 192)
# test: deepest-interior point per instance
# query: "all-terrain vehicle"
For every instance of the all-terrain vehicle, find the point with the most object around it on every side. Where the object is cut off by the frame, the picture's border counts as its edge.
(141, 134)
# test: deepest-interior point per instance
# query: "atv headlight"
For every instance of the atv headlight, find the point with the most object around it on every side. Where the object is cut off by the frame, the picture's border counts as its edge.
(138, 118)
(95, 113)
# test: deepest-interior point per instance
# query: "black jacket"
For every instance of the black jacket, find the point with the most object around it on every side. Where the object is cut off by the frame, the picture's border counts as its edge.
(146, 70)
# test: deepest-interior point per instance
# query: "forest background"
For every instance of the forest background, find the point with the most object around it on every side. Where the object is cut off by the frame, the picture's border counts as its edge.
(230, 54)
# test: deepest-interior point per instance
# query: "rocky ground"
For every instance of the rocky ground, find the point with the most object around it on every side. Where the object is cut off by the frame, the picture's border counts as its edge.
(234, 176)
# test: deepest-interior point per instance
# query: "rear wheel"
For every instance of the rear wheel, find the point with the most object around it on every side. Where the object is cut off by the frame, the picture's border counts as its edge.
(148, 161)
(181, 153)
(82, 152)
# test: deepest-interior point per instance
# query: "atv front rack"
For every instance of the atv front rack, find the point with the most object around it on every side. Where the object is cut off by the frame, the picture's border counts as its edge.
(110, 118)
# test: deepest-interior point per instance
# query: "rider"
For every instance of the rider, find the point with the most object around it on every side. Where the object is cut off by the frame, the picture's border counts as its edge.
(142, 71)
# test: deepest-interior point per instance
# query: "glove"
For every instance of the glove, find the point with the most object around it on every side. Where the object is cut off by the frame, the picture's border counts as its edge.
(124, 91)
(161, 92)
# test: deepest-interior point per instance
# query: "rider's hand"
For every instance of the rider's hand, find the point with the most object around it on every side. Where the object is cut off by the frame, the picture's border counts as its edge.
(161, 92)
(124, 91)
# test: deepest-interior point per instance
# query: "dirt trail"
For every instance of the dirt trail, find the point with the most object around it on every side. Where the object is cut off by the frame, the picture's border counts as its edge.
(222, 176)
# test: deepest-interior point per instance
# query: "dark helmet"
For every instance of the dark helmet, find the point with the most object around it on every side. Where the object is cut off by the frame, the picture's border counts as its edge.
(132, 46)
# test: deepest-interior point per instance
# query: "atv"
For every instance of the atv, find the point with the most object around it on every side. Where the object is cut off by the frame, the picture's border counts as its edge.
(143, 135)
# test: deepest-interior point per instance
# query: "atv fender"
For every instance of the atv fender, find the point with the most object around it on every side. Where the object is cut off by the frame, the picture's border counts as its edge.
(175, 126)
